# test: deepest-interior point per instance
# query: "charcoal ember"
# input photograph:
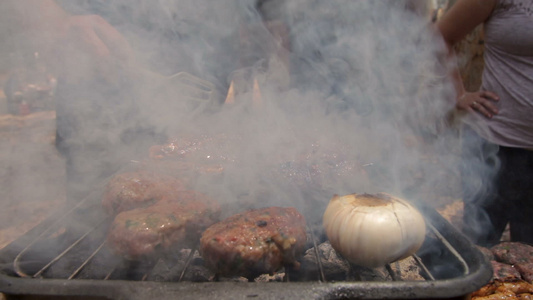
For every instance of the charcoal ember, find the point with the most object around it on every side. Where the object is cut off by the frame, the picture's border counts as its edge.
(334, 266)
(159, 272)
(504, 272)
(196, 270)
(277, 277)
(513, 253)
(359, 273)
(193, 269)
(526, 270)
(408, 269)
(198, 273)
(220, 278)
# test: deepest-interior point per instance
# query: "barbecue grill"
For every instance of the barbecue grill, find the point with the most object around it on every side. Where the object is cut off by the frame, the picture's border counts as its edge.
(66, 255)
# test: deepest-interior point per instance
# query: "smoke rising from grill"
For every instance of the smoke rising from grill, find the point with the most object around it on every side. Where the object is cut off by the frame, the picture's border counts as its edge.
(359, 84)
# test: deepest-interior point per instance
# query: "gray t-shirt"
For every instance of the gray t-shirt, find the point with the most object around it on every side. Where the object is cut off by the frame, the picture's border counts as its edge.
(509, 73)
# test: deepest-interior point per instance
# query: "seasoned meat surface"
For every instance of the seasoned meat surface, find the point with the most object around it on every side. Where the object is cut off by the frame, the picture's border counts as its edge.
(172, 223)
(504, 272)
(519, 255)
(513, 253)
(513, 289)
(526, 270)
(130, 190)
(255, 242)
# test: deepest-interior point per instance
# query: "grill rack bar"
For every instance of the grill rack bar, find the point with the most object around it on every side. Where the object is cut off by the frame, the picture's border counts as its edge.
(57, 258)
(321, 274)
(317, 256)
(434, 254)
(78, 270)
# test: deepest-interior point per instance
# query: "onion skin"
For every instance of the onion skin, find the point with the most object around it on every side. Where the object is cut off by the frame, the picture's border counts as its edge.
(373, 230)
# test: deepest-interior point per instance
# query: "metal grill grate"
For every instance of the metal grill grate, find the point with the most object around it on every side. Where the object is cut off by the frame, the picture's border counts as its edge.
(70, 251)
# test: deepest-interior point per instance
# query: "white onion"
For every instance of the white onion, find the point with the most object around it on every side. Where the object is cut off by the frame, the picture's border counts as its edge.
(373, 230)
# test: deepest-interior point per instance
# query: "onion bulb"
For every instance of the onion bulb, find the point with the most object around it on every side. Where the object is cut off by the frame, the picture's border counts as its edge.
(373, 230)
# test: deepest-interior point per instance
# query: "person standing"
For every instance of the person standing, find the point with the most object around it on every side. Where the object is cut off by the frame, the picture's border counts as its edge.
(499, 116)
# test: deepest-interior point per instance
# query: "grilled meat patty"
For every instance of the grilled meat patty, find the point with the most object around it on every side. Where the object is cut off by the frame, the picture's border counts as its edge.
(255, 242)
(175, 222)
(130, 190)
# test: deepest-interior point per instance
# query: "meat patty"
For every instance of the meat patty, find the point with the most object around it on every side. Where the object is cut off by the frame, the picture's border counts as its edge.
(173, 223)
(504, 272)
(513, 253)
(519, 255)
(130, 190)
(255, 242)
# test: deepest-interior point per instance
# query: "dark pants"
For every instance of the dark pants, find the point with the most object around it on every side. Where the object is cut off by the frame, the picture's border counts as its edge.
(497, 190)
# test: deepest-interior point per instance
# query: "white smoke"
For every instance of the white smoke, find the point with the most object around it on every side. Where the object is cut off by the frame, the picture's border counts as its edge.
(367, 83)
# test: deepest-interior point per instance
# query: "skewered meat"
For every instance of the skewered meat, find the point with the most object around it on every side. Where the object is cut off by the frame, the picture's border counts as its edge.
(255, 242)
(130, 190)
(172, 223)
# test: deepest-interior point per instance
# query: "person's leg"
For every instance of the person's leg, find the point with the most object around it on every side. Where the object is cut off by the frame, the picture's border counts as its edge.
(517, 190)
(484, 216)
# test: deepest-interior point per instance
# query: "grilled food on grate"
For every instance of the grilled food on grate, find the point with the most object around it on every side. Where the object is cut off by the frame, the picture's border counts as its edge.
(255, 242)
(130, 190)
(515, 289)
(173, 223)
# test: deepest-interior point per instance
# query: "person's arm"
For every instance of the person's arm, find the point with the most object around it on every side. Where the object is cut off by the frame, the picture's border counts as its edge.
(462, 18)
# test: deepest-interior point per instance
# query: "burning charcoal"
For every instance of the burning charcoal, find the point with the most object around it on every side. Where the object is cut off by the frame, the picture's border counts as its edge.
(195, 270)
(159, 272)
(504, 272)
(278, 277)
(408, 269)
(232, 279)
(358, 273)
(197, 273)
(334, 266)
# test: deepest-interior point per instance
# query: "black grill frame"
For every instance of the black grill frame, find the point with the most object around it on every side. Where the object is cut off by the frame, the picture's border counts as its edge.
(478, 273)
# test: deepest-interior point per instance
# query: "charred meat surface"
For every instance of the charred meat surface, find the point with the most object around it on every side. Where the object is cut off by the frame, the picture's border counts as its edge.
(513, 253)
(255, 242)
(519, 255)
(173, 223)
(504, 272)
(131, 190)
(515, 289)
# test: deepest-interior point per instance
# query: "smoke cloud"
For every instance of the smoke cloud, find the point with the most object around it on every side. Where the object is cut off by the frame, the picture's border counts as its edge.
(355, 94)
